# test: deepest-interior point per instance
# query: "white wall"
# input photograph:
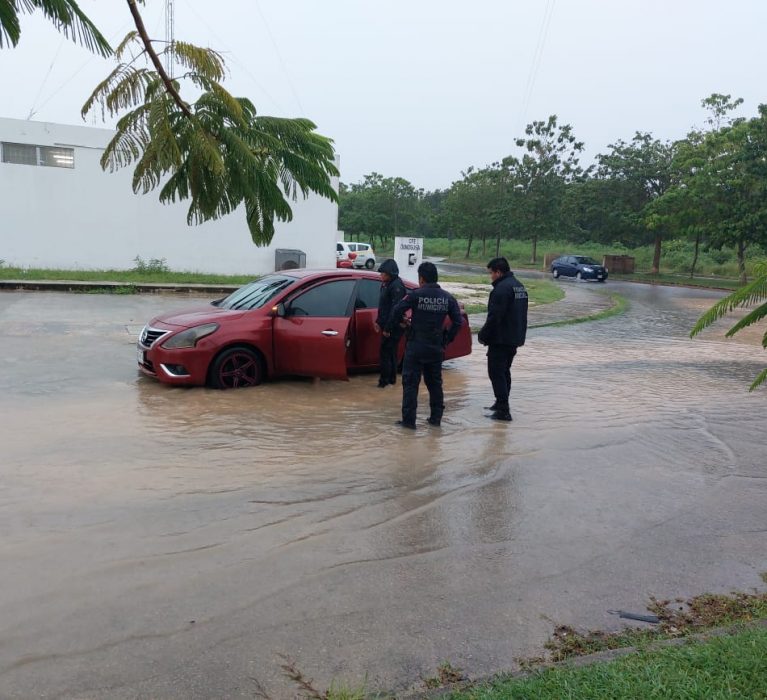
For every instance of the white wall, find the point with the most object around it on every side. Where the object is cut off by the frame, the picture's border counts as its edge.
(85, 218)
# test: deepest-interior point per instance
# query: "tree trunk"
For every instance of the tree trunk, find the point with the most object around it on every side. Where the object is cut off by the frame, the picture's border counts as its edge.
(695, 257)
(498, 246)
(484, 246)
(742, 261)
(656, 254)
(535, 249)
(468, 248)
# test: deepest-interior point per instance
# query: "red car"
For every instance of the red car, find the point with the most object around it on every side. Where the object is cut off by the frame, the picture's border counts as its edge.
(297, 322)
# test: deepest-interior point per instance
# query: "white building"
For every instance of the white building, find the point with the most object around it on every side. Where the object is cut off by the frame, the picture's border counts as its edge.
(59, 209)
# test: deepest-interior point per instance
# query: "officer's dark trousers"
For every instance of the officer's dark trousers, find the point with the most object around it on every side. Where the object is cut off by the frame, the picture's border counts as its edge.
(499, 359)
(421, 358)
(389, 358)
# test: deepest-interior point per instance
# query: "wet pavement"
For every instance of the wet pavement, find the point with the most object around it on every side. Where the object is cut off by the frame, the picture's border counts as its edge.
(162, 542)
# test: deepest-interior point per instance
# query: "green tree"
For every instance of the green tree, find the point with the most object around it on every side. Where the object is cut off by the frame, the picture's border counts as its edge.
(66, 15)
(551, 162)
(471, 207)
(744, 297)
(645, 165)
(689, 208)
(381, 207)
(729, 175)
(605, 210)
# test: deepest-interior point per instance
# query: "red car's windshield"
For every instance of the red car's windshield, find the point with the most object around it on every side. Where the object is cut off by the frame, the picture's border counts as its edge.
(256, 294)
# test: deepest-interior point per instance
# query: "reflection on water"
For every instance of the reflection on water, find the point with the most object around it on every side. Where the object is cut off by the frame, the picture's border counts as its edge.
(260, 505)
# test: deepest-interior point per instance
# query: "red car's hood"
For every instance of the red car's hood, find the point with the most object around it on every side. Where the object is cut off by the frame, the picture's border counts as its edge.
(196, 316)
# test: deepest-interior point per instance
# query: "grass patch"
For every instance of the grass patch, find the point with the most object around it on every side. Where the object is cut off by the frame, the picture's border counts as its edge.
(446, 675)
(539, 291)
(620, 305)
(128, 276)
(680, 280)
(722, 667)
(130, 289)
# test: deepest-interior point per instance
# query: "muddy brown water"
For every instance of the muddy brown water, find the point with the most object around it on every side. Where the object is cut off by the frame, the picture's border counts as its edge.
(161, 542)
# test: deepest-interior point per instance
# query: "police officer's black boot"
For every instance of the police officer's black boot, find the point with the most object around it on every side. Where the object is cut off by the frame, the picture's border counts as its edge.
(501, 414)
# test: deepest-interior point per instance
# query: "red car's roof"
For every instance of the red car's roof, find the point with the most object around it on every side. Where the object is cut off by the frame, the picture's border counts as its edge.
(337, 272)
(303, 273)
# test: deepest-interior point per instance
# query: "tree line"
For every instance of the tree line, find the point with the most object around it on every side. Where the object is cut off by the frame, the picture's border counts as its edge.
(708, 188)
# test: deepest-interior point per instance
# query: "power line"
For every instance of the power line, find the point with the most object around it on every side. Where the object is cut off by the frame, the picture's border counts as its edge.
(87, 62)
(535, 64)
(233, 57)
(279, 56)
(45, 80)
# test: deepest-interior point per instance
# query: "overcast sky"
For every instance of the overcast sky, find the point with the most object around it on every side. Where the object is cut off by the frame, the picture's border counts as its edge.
(425, 88)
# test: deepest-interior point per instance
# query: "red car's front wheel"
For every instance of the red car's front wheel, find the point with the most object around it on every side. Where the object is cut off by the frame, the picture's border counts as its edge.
(236, 368)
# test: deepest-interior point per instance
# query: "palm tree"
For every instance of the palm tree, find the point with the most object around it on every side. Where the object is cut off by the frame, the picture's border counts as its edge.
(65, 14)
(752, 293)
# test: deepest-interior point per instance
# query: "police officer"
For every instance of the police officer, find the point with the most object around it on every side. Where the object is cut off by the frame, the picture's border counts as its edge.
(504, 331)
(427, 340)
(392, 292)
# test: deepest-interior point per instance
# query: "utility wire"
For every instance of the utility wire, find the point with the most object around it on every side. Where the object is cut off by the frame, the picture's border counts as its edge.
(45, 80)
(234, 58)
(279, 56)
(117, 35)
(535, 64)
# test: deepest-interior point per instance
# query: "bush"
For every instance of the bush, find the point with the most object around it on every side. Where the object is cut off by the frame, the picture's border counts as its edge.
(147, 268)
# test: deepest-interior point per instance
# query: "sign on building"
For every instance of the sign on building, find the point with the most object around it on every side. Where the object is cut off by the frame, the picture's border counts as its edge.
(408, 254)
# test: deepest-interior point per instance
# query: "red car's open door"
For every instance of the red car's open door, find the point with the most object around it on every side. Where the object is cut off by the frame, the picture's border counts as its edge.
(311, 332)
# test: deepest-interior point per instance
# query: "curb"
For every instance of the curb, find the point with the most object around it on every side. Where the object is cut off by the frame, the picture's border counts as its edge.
(141, 288)
(579, 661)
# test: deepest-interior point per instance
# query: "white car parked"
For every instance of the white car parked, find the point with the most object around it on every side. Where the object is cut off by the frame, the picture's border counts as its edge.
(364, 255)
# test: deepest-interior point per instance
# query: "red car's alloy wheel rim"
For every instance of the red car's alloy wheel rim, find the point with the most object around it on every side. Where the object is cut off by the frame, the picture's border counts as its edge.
(240, 369)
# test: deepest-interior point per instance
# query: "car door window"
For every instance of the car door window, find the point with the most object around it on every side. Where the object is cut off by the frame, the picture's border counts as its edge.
(325, 300)
(368, 293)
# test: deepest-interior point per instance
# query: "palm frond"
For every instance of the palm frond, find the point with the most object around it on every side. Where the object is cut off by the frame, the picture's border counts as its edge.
(749, 319)
(752, 293)
(66, 15)
(760, 379)
(10, 28)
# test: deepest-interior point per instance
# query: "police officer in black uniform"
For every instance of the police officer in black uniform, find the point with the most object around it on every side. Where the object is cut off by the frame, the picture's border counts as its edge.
(392, 292)
(427, 339)
(504, 331)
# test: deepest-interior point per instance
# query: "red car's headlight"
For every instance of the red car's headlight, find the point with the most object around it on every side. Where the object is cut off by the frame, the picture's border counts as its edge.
(189, 337)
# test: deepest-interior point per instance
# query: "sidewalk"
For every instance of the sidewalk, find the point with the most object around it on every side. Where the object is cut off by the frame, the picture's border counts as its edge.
(143, 288)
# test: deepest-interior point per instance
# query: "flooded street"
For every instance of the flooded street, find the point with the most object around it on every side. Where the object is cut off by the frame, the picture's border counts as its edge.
(160, 542)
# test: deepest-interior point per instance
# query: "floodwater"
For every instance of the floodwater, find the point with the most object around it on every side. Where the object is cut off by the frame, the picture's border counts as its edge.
(162, 542)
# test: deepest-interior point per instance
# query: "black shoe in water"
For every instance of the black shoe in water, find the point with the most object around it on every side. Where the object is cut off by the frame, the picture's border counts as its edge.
(434, 421)
(501, 415)
(494, 407)
(403, 424)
